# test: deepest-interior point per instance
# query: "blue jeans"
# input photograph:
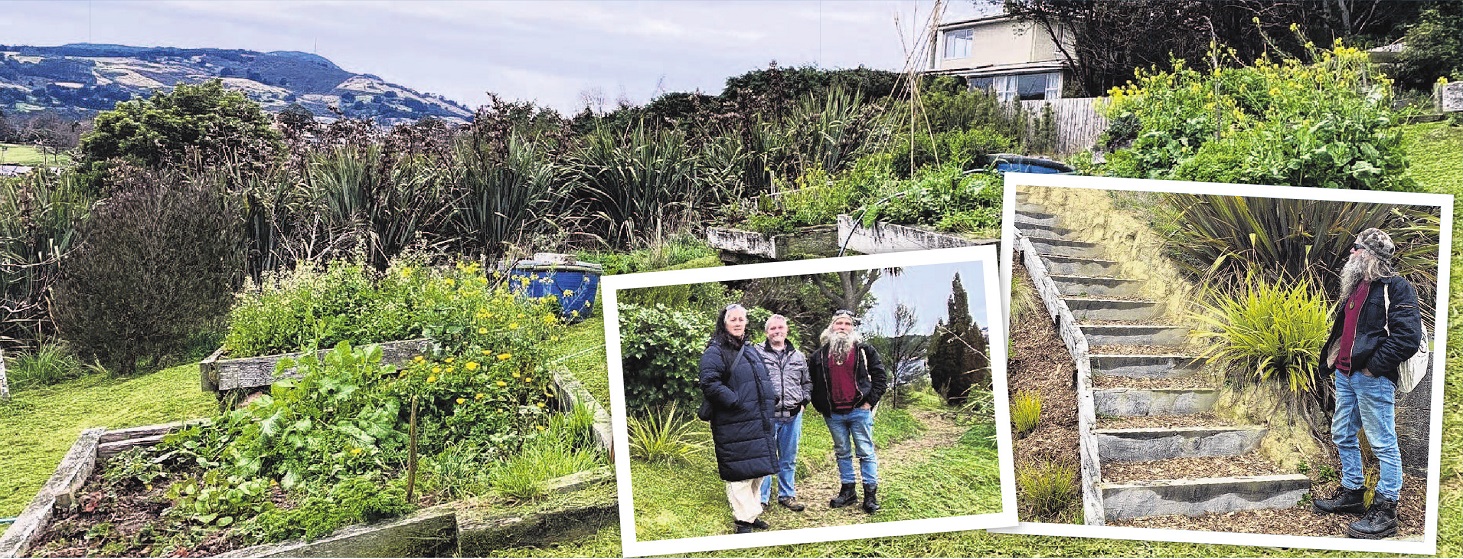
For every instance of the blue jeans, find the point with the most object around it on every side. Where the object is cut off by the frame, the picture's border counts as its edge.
(1367, 403)
(787, 432)
(856, 427)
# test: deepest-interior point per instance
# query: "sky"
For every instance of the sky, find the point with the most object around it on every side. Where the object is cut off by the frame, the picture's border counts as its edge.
(557, 53)
(926, 290)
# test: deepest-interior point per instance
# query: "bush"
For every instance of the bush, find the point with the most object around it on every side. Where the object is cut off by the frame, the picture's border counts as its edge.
(944, 197)
(1326, 124)
(1025, 411)
(159, 263)
(1268, 332)
(50, 363)
(40, 217)
(1047, 488)
(661, 349)
(665, 437)
(527, 473)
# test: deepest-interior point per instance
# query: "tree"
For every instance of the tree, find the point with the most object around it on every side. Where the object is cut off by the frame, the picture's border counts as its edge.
(1434, 47)
(216, 122)
(958, 356)
(904, 347)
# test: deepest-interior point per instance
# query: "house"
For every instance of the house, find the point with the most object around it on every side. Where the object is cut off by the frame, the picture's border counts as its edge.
(1012, 58)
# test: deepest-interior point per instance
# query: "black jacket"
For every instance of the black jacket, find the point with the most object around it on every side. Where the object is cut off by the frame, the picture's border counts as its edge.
(869, 376)
(1373, 349)
(742, 400)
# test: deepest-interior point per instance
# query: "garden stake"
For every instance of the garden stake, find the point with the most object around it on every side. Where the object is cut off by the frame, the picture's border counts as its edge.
(411, 456)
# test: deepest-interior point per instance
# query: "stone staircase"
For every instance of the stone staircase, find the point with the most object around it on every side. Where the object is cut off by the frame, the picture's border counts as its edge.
(1135, 355)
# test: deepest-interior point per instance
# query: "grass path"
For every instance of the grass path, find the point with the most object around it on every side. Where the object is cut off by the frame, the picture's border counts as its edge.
(929, 467)
(40, 424)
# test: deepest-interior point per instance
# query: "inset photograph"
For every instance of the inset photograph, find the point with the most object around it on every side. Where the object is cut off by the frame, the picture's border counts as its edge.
(811, 400)
(1194, 360)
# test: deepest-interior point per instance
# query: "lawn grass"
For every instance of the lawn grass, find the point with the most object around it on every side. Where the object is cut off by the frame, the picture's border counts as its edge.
(689, 500)
(40, 424)
(581, 350)
(21, 154)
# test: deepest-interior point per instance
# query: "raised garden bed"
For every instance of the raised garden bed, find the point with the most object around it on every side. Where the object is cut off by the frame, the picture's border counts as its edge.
(736, 245)
(889, 237)
(218, 374)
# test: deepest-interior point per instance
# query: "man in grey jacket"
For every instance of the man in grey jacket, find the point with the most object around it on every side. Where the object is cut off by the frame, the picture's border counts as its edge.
(792, 385)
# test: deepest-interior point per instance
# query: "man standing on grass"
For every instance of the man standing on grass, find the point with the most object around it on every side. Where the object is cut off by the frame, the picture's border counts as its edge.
(1376, 328)
(790, 381)
(848, 381)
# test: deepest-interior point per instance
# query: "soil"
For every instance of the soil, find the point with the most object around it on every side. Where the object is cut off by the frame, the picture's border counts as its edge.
(1159, 321)
(1250, 464)
(1157, 421)
(1039, 362)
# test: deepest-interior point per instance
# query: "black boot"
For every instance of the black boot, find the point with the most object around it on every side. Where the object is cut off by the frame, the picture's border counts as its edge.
(1379, 522)
(743, 527)
(846, 496)
(871, 499)
(1345, 501)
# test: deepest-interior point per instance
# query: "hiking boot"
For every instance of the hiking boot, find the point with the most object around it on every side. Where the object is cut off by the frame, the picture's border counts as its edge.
(791, 503)
(743, 527)
(871, 499)
(1345, 501)
(1379, 522)
(846, 496)
(760, 524)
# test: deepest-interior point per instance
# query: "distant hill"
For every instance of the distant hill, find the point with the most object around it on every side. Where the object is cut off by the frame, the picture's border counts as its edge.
(78, 80)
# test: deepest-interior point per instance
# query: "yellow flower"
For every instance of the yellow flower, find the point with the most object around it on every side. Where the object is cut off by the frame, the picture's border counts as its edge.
(452, 369)
(540, 404)
(520, 315)
(482, 330)
(479, 396)
(406, 272)
(449, 281)
(432, 378)
(568, 292)
(356, 451)
(505, 356)
(461, 401)
(540, 427)
(436, 369)
(417, 359)
(515, 375)
(449, 359)
(513, 326)
(486, 352)
(501, 383)
(471, 366)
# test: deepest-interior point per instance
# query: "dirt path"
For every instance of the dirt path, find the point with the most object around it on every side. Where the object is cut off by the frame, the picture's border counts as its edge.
(822, 482)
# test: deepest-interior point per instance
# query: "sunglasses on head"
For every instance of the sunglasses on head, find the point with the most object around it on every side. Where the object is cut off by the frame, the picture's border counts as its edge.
(734, 306)
(1357, 246)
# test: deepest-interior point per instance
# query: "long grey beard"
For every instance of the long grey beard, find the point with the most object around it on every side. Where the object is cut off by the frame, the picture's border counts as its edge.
(841, 344)
(1362, 266)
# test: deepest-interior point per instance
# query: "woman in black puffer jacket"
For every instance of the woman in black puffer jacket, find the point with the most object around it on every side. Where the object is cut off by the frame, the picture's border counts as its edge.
(739, 390)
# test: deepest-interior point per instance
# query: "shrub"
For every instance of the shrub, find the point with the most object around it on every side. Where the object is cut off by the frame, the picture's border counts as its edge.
(159, 262)
(665, 437)
(40, 218)
(50, 363)
(1268, 332)
(1025, 411)
(662, 349)
(944, 197)
(1048, 489)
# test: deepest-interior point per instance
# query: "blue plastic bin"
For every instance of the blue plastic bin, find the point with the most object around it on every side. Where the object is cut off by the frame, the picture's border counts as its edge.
(574, 283)
(1010, 162)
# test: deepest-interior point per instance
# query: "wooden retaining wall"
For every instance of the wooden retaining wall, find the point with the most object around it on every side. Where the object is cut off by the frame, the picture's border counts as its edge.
(219, 374)
(888, 237)
(1076, 344)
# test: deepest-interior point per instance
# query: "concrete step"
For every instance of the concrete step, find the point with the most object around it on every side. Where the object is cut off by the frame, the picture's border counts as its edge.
(1121, 402)
(1044, 230)
(1123, 334)
(1096, 286)
(1084, 308)
(1063, 247)
(1145, 366)
(1070, 266)
(1194, 497)
(1036, 218)
(1144, 445)
(1031, 209)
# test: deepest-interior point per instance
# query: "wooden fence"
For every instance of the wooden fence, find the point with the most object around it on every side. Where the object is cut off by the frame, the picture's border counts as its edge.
(1077, 123)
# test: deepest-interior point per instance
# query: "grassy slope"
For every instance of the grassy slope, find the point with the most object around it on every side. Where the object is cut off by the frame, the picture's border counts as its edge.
(40, 425)
(20, 154)
(582, 351)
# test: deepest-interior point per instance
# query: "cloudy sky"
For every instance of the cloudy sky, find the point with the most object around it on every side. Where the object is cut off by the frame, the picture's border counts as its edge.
(926, 289)
(554, 52)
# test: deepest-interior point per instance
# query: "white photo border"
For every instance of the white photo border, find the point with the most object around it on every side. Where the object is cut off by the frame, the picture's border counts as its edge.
(995, 317)
(1429, 543)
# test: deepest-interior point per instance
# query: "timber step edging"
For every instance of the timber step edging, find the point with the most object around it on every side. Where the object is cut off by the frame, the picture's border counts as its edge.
(1150, 444)
(1199, 496)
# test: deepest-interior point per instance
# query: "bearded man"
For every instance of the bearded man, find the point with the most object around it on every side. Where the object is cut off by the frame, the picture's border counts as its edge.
(848, 381)
(1369, 339)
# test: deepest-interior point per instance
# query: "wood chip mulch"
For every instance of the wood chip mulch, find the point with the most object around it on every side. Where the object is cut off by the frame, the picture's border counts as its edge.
(1300, 520)
(1039, 362)
(1157, 421)
(1188, 381)
(1248, 464)
(1160, 321)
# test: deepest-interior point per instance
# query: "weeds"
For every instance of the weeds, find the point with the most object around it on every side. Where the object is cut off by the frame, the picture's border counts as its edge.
(1048, 488)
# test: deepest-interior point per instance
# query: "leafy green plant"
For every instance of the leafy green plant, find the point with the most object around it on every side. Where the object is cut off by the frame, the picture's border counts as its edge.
(1025, 411)
(135, 465)
(525, 475)
(1269, 333)
(47, 364)
(459, 471)
(661, 349)
(665, 437)
(355, 500)
(638, 180)
(40, 219)
(217, 498)
(944, 196)
(1047, 489)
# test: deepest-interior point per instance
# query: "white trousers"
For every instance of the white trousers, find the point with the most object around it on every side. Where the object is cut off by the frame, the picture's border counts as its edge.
(746, 498)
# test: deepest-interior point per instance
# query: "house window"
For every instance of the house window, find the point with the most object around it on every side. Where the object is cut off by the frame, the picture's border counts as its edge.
(981, 84)
(957, 43)
(1031, 86)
